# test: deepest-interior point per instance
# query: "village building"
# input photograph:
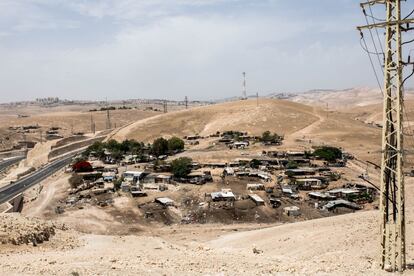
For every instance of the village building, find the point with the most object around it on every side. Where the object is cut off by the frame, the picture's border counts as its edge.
(158, 178)
(228, 171)
(255, 187)
(199, 177)
(133, 176)
(257, 199)
(125, 187)
(309, 183)
(240, 145)
(109, 176)
(321, 196)
(165, 201)
(288, 190)
(292, 211)
(192, 137)
(301, 171)
(223, 195)
(344, 192)
(331, 205)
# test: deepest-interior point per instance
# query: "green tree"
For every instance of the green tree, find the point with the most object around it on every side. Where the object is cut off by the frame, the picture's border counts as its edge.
(181, 167)
(330, 154)
(254, 164)
(291, 165)
(175, 143)
(160, 146)
(267, 136)
(97, 149)
(113, 145)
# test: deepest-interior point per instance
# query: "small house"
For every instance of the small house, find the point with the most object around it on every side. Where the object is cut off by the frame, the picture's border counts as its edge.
(255, 187)
(292, 211)
(343, 192)
(223, 195)
(331, 205)
(125, 187)
(165, 201)
(133, 176)
(257, 199)
(228, 171)
(321, 196)
(109, 176)
(309, 183)
(240, 145)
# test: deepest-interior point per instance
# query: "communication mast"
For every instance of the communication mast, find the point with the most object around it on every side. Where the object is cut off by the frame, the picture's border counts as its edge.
(392, 198)
(244, 93)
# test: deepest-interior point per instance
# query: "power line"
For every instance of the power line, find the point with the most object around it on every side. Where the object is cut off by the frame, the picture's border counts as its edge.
(392, 203)
(376, 31)
(372, 36)
(372, 62)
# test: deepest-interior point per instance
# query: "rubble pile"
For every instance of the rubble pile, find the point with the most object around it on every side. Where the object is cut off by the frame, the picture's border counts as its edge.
(17, 230)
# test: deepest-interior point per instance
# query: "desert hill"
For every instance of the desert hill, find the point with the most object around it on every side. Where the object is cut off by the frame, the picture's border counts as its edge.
(283, 117)
(344, 99)
(303, 126)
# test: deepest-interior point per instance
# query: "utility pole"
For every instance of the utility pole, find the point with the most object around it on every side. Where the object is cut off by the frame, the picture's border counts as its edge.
(244, 95)
(165, 106)
(392, 199)
(186, 102)
(108, 119)
(93, 129)
(257, 99)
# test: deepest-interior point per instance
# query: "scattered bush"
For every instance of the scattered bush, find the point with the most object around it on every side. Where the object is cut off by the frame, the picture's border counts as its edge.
(254, 164)
(330, 154)
(268, 137)
(181, 167)
(175, 144)
(117, 184)
(160, 147)
(75, 180)
(82, 166)
(292, 165)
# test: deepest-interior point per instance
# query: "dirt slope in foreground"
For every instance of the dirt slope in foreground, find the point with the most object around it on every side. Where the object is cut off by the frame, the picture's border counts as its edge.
(342, 245)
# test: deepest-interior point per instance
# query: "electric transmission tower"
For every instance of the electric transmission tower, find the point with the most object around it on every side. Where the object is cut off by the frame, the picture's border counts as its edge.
(392, 198)
(186, 102)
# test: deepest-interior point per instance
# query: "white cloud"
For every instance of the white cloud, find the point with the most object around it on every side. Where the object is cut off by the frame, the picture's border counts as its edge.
(166, 49)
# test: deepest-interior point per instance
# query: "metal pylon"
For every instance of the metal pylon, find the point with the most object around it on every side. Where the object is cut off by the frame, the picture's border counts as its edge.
(393, 252)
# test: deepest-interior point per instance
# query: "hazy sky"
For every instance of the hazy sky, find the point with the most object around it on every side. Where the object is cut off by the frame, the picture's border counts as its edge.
(89, 49)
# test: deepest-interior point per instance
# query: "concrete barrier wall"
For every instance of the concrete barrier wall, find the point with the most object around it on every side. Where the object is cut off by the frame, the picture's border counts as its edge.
(68, 140)
(15, 205)
(14, 153)
(65, 149)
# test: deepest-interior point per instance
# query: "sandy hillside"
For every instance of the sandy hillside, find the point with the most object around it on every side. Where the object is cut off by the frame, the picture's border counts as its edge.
(303, 126)
(278, 116)
(70, 119)
(341, 245)
(343, 99)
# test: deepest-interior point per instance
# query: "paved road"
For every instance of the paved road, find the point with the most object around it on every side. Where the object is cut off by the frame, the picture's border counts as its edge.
(10, 161)
(13, 189)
